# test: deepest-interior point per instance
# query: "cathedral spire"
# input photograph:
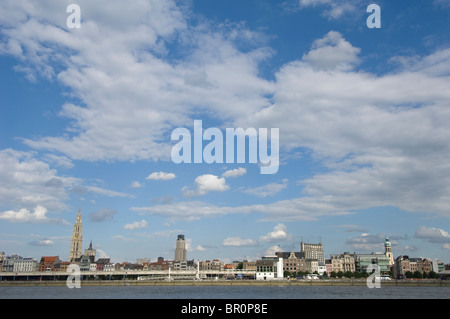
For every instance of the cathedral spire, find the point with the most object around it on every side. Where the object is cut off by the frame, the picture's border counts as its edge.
(77, 239)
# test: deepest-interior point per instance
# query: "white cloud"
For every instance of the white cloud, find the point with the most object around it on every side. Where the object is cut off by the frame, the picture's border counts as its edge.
(161, 176)
(235, 172)
(332, 52)
(28, 182)
(39, 215)
(270, 252)
(238, 242)
(206, 183)
(278, 233)
(136, 225)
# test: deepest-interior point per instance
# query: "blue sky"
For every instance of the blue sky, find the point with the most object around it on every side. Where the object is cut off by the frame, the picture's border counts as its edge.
(86, 116)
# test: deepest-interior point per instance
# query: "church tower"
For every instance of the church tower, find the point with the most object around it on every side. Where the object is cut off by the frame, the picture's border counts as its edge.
(388, 251)
(77, 239)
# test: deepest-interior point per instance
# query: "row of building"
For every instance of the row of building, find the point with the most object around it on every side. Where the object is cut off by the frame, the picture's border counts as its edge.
(310, 259)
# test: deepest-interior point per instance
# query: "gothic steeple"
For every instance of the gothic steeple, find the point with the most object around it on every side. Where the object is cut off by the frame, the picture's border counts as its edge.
(77, 239)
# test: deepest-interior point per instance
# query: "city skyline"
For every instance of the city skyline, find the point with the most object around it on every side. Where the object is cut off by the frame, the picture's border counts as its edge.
(87, 113)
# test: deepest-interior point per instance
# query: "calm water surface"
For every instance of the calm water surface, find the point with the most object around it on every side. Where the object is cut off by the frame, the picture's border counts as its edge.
(225, 292)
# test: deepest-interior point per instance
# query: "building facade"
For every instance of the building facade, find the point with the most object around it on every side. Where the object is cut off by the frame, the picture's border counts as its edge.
(313, 251)
(362, 261)
(343, 262)
(269, 268)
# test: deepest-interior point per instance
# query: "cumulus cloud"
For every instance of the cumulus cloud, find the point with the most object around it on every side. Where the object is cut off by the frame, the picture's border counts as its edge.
(332, 52)
(235, 172)
(278, 233)
(161, 176)
(206, 183)
(28, 182)
(39, 215)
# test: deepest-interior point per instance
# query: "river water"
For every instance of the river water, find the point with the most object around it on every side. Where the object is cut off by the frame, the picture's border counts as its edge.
(224, 292)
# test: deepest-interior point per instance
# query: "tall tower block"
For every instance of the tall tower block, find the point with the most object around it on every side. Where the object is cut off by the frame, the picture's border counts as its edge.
(180, 249)
(77, 239)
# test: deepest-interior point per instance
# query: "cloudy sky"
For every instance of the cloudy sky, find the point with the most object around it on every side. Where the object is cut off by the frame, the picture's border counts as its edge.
(86, 117)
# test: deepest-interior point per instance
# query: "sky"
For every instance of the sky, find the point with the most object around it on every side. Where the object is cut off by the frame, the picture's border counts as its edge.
(88, 112)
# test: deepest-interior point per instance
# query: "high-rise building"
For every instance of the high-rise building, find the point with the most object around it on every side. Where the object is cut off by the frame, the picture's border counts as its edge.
(180, 249)
(77, 239)
(313, 251)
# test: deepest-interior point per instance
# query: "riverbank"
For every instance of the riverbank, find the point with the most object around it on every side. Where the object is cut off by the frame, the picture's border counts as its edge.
(321, 282)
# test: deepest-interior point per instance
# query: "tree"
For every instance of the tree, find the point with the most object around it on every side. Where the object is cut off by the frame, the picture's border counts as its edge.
(348, 274)
(340, 274)
(418, 274)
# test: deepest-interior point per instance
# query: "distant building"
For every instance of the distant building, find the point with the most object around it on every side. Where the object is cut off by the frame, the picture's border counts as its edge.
(180, 249)
(343, 262)
(269, 268)
(160, 264)
(388, 252)
(76, 243)
(313, 251)
(8, 262)
(215, 264)
(25, 265)
(49, 263)
(362, 261)
(293, 262)
(91, 252)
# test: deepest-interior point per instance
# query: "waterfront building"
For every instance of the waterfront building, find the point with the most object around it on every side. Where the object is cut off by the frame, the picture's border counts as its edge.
(269, 268)
(313, 251)
(49, 263)
(312, 266)
(328, 267)
(85, 262)
(248, 265)
(160, 264)
(437, 265)
(180, 249)
(25, 265)
(8, 262)
(401, 266)
(362, 261)
(343, 262)
(215, 264)
(293, 262)
(77, 239)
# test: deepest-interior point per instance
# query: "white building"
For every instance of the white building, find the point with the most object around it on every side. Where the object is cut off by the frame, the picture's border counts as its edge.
(269, 268)
(25, 265)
